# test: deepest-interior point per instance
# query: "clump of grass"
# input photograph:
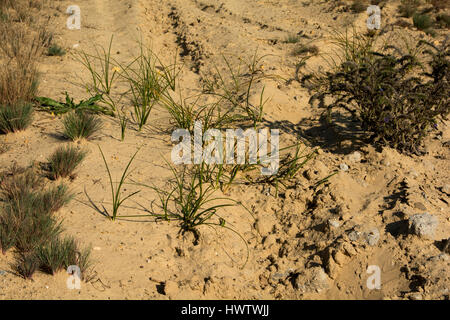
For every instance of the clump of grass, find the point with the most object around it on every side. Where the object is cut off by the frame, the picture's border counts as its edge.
(54, 198)
(398, 97)
(55, 50)
(15, 117)
(116, 190)
(17, 181)
(104, 72)
(358, 6)
(422, 21)
(303, 49)
(64, 161)
(292, 38)
(191, 200)
(26, 219)
(20, 52)
(234, 88)
(59, 254)
(7, 233)
(54, 255)
(149, 79)
(18, 82)
(290, 165)
(25, 265)
(81, 125)
(443, 20)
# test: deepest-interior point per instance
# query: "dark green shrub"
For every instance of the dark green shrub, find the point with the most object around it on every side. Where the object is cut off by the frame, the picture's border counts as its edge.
(55, 50)
(397, 97)
(15, 118)
(422, 21)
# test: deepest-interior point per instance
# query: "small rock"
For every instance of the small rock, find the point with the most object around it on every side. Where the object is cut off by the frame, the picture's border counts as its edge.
(413, 173)
(2, 272)
(343, 167)
(314, 280)
(354, 157)
(372, 237)
(76, 45)
(420, 206)
(440, 257)
(423, 225)
(171, 288)
(263, 227)
(446, 246)
(446, 189)
(269, 241)
(415, 296)
(333, 223)
(354, 235)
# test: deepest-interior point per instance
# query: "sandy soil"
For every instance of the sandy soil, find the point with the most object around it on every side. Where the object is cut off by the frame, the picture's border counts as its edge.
(295, 251)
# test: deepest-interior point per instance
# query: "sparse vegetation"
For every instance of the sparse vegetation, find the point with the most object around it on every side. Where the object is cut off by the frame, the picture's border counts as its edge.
(292, 38)
(305, 49)
(81, 125)
(55, 50)
(116, 190)
(28, 225)
(64, 161)
(15, 117)
(57, 108)
(398, 97)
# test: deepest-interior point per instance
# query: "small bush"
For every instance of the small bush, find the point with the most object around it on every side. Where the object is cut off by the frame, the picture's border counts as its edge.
(398, 97)
(443, 20)
(33, 227)
(18, 82)
(57, 255)
(64, 161)
(15, 118)
(81, 125)
(25, 265)
(292, 38)
(17, 181)
(55, 50)
(422, 21)
(8, 230)
(54, 198)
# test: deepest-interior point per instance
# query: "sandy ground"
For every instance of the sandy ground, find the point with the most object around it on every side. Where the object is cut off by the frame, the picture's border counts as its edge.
(295, 252)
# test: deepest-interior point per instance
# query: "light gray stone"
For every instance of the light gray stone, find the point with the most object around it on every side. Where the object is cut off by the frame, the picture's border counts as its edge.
(423, 225)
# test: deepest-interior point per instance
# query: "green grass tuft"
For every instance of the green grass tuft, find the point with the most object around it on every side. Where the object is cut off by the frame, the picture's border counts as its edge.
(81, 125)
(64, 161)
(15, 118)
